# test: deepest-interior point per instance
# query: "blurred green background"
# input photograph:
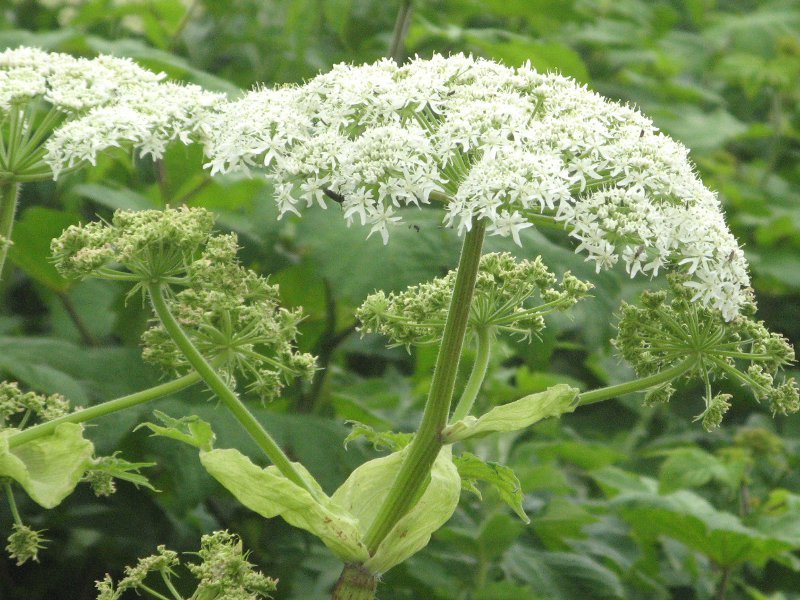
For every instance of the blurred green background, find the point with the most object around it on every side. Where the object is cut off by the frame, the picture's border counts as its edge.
(706, 515)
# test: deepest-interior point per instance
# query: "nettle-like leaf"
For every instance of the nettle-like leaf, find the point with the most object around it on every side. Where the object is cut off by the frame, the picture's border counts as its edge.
(690, 519)
(473, 469)
(50, 467)
(516, 415)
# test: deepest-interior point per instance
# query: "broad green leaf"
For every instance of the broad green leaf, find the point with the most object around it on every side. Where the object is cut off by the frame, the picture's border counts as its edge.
(159, 60)
(691, 467)
(473, 469)
(497, 534)
(613, 481)
(269, 493)
(544, 57)
(701, 131)
(48, 468)
(561, 520)
(359, 265)
(779, 516)
(114, 198)
(516, 415)
(563, 575)
(32, 235)
(587, 455)
(690, 519)
(365, 490)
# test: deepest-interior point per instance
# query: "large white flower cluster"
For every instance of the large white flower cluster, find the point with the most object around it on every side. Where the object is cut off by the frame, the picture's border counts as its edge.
(95, 104)
(509, 145)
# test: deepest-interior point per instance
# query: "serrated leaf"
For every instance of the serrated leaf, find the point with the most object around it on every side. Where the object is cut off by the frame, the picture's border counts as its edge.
(561, 520)
(472, 469)
(49, 467)
(690, 467)
(563, 575)
(380, 440)
(690, 519)
(190, 430)
(119, 468)
(516, 415)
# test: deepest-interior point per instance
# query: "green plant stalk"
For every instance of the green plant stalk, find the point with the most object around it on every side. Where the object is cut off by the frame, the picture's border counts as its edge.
(637, 385)
(476, 377)
(99, 410)
(355, 583)
(12, 504)
(9, 192)
(224, 393)
(415, 472)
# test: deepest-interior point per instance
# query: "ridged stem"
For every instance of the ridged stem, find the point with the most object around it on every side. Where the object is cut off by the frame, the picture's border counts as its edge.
(415, 471)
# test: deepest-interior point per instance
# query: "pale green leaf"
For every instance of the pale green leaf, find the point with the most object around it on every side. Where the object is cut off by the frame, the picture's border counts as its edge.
(48, 468)
(367, 487)
(269, 493)
(516, 415)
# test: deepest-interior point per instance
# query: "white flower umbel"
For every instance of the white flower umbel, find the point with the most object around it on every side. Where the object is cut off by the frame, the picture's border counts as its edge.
(58, 112)
(511, 145)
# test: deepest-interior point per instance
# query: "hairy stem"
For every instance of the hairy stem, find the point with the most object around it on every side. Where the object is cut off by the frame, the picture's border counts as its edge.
(9, 192)
(415, 472)
(106, 408)
(223, 392)
(476, 377)
(637, 385)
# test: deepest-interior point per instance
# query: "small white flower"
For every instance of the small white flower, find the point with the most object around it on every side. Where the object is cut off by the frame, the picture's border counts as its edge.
(491, 142)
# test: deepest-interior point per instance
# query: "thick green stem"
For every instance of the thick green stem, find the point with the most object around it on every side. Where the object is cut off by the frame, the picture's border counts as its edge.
(415, 472)
(637, 385)
(476, 377)
(9, 192)
(99, 410)
(223, 392)
(355, 583)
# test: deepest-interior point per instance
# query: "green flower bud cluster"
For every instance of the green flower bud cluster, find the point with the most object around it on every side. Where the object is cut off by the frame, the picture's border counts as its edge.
(223, 573)
(150, 245)
(669, 328)
(162, 562)
(232, 314)
(24, 543)
(14, 401)
(501, 302)
(234, 318)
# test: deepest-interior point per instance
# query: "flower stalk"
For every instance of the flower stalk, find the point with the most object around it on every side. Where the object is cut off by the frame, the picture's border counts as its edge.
(223, 392)
(476, 377)
(106, 408)
(637, 385)
(9, 192)
(414, 474)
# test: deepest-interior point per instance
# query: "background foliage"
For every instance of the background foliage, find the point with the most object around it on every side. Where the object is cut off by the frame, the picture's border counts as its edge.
(625, 501)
